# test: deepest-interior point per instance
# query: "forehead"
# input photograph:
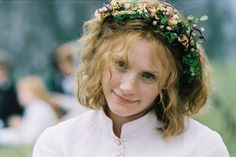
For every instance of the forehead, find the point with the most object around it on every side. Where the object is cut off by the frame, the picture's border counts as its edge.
(150, 49)
(139, 48)
(139, 57)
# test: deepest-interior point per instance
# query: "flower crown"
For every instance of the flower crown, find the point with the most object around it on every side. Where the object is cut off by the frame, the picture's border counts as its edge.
(168, 22)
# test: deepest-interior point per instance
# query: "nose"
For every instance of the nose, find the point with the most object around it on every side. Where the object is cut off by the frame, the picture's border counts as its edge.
(128, 84)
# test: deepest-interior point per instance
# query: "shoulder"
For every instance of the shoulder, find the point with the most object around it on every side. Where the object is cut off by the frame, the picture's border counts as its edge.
(198, 128)
(205, 139)
(53, 137)
(200, 131)
(83, 121)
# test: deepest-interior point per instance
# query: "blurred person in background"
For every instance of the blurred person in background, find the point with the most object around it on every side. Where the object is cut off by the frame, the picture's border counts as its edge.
(61, 81)
(9, 104)
(39, 113)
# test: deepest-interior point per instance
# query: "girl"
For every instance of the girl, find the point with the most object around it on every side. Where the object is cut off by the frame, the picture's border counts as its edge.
(143, 73)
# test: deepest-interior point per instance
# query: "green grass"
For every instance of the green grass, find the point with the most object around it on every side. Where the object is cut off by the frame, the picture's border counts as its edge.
(21, 151)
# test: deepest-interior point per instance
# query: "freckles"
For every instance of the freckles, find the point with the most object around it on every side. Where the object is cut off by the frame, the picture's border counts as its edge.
(114, 77)
(110, 76)
(151, 91)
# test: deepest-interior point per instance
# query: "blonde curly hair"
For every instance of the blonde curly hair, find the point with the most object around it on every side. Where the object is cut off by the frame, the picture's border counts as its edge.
(177, 98)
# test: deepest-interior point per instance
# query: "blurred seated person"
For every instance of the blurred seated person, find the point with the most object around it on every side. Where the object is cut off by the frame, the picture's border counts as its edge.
(9, 104)
(39, 113)
(61, 81)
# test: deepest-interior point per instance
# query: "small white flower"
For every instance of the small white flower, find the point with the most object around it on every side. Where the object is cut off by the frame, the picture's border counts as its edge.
(161, 7)
(127, 6)
(154, 23)
(173, 20)
(168, 28)
(183, 40)
(202, 29)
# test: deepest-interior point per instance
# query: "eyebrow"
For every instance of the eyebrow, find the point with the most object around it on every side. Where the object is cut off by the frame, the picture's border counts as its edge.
(122, 58)
(117, 56)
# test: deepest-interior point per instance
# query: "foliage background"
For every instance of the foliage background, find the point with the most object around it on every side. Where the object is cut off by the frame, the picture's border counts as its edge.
(31, 29)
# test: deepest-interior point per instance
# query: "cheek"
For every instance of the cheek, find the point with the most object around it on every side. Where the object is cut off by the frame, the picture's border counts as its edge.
(150, 93)
(111, 77)
(23, 97)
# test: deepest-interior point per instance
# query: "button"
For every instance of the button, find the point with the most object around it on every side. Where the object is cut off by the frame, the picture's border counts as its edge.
(118, 142)
(119, 153)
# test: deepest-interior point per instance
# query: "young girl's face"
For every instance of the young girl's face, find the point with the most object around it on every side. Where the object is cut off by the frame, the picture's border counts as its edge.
(25, 95)
(130, 85)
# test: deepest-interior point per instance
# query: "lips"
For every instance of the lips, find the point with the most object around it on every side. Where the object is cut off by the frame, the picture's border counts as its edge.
(123, 100)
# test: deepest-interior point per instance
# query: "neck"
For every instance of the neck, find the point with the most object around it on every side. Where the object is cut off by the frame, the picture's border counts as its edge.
(119, 121)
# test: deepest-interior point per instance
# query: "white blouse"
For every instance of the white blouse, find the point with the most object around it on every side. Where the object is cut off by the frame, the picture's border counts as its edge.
(91, 135)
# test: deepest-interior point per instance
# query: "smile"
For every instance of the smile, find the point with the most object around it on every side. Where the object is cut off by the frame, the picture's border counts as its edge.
(124, 100)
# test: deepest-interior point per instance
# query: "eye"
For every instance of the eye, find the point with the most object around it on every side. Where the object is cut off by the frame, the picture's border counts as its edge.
(149, 76)
(120, 64)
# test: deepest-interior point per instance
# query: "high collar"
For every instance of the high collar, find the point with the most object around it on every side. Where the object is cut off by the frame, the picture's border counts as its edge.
(133, 128)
